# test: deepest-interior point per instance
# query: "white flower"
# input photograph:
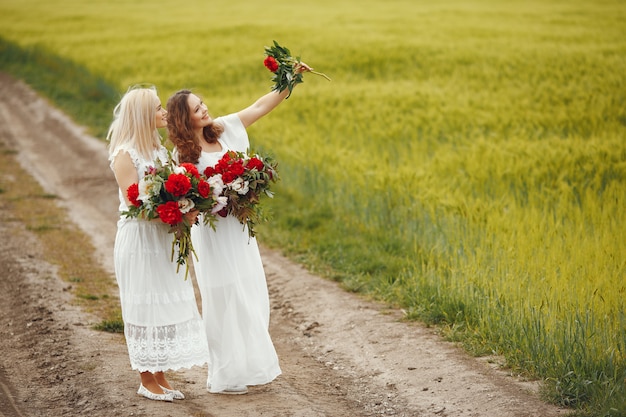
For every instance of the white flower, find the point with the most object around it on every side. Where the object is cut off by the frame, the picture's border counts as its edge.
(240, 186)
(217, 184)
(185, 205)
(148, 188)
(179, 170)
(221, 202)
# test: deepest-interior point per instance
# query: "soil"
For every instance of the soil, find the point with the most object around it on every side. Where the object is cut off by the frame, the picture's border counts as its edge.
(341, 355)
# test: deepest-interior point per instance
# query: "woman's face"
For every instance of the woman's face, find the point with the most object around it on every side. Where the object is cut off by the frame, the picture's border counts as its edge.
(198, 112)
(161, 115)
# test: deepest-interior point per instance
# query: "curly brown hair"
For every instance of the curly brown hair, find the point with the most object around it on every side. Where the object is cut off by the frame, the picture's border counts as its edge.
(180, 131)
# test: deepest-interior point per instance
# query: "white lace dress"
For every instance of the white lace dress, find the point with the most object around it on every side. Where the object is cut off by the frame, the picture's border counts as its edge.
(235, 300)
(162, 324)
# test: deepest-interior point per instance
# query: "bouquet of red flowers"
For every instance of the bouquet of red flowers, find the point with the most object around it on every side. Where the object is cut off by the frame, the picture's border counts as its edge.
(285, 68)
(169, 191)
(244, 178)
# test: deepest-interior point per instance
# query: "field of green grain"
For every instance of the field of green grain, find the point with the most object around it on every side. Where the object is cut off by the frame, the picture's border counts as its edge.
(466, 163)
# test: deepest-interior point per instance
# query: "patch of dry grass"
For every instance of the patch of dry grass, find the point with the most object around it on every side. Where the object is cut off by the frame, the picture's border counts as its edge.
(64, 244)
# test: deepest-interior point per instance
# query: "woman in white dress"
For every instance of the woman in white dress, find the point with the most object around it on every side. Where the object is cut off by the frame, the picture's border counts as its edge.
(162, 324)
(229, 271)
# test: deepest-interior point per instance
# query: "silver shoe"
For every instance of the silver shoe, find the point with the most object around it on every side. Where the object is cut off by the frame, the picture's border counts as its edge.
(175, 393)
(152, 396)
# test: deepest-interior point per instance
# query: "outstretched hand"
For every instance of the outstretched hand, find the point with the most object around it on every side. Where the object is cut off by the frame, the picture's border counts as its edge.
(302, 67)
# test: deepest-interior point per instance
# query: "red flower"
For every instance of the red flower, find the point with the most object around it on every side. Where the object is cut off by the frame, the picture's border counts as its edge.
(170, 213)
(178, 184)
(230, 168)
(204, 189)
(255, 163)
(223, 164)
(233, 172)
(191, 168)
(226, 157)
(228, 177)
(237, 168)
(209, 172)
(271, 64)
(133, 194)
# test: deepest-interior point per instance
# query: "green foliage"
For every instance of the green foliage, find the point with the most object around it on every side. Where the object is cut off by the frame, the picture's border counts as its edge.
(111, 326)
(467, 163)
(285, 72)
(87, 98)
(285, 68)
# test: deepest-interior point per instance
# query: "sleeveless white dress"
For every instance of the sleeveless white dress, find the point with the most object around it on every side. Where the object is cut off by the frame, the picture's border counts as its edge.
(162, 324)
(235, 299)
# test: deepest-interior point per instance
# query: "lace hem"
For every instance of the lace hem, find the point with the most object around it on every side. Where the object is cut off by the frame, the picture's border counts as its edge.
(165, 348)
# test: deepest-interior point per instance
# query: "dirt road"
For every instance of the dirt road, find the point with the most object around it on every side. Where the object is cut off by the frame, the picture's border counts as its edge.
(340, 355)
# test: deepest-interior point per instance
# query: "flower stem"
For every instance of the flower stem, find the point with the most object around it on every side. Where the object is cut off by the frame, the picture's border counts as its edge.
(320, 73)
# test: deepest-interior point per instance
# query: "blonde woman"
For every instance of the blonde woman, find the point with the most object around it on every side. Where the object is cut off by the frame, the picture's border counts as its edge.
(162, 324)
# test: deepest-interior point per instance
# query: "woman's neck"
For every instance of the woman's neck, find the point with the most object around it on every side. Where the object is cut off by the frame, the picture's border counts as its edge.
(199, 136)
(210, 147)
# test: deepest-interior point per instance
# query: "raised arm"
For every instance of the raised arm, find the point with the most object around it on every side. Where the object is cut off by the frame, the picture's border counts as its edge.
(261, 107)
(266, 103)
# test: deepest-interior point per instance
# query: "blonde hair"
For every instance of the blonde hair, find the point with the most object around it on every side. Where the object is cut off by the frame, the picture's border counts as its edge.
(134, 122)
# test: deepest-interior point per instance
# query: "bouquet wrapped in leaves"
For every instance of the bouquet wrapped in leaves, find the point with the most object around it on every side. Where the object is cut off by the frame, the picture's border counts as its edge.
(287, 69)
(245, 178)
(168, 192)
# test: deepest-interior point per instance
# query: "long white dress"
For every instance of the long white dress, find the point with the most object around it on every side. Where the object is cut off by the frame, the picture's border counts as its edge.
(235, 300)
(162, 324)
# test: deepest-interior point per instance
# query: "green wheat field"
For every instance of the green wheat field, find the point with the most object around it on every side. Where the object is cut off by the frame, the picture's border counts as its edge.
(467, 162)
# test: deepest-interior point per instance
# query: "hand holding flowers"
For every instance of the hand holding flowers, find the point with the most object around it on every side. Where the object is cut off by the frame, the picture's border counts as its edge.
(287, 69)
